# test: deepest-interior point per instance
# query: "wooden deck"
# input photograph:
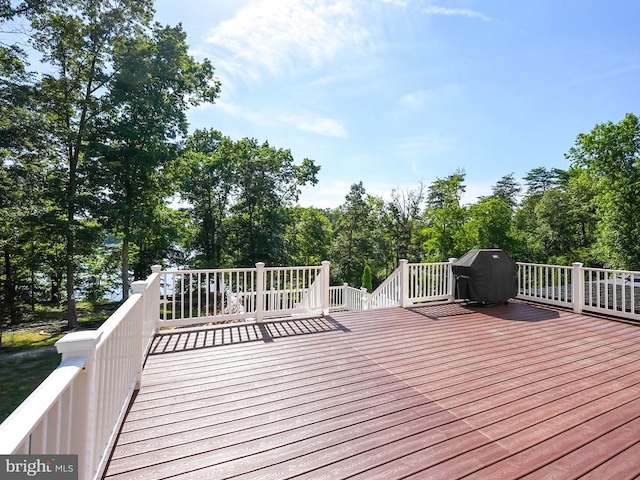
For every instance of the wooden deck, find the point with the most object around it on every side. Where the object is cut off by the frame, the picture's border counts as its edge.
(446, 391)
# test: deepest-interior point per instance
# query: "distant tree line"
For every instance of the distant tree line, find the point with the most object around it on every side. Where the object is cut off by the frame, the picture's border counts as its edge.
(100, 179)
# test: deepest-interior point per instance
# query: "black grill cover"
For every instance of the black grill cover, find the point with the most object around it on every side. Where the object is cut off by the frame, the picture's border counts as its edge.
(486, 276)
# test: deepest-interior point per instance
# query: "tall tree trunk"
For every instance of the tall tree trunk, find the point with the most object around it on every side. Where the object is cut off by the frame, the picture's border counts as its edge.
(32, 293)
(125, 261)
(10, 288)
(72, 318)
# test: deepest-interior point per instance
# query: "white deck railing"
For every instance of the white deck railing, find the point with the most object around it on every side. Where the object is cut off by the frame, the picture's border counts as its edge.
(388, 294)
(194, 297)
(551, 284)
(611, 292)
(429, 282)
(584, 289)
(409, 284)
(345, 297)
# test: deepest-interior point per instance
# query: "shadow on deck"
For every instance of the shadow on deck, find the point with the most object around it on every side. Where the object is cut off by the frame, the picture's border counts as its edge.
(192, 339)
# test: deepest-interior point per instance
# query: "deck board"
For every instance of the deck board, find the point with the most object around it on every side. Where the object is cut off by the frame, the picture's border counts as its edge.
(441, 391)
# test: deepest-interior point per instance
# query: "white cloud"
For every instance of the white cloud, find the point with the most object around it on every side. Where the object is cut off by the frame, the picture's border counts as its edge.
(398, 3)
(463, 12)
(251, 116)
(308, 122)
(444, 93)
(316, 124)
(274, 36)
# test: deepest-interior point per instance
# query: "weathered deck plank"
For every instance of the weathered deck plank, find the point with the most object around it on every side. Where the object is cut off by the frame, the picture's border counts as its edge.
(430, 392)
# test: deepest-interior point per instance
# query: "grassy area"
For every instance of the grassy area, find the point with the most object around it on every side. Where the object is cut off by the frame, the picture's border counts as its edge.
(29, 339)
(20, 376)
(48, 325)
(25, 360)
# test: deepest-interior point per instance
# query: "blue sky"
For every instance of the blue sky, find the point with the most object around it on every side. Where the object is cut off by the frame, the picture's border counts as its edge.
(395, 92)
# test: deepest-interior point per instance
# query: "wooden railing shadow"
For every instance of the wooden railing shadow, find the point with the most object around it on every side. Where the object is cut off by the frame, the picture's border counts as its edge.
(235, 333)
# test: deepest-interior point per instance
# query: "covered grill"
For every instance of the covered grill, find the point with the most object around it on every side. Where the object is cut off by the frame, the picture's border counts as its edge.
(488, 276)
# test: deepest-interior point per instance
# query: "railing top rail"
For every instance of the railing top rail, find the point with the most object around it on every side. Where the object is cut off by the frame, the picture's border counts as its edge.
(427, 263)
(621, 272)
(26, 417)
(241, 270)
(543, 265)
(116, 318)
(307, 267)
(349, 287)
(600, 269)
(205, 270)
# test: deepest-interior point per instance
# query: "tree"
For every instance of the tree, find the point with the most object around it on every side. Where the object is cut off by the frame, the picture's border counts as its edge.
(539, 179)
(155, 81)
(583, 191)
(445, 219)
(366, 278)
(556, 227)
(23, 177)
(267, 181)
(156, 239)
(404, 223)
(308, 236)
(611, 153)
(206, 173)
(77, 39)
(8, 11)
(353, 246)
(508, 189)
(490, 223)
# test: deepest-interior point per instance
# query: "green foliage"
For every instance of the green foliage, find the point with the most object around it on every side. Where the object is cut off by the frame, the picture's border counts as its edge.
(267, 181)
(240, 194)
(445, 219)
(539, 179)
(366, 279)
(611, 152)
(507, 189)
(354, 244)
(404, 224)
(155, 82)
(308, 236)
(490, 223)
(78, 41)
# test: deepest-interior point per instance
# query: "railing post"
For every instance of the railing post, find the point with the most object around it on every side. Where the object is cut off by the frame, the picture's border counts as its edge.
(452, 281)
(364, 304)
(404, 283)
(577, 287)
(326, 280)
(260, 283)
(345, 300)
(155, 313)
(83, 345)
(138, 288)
